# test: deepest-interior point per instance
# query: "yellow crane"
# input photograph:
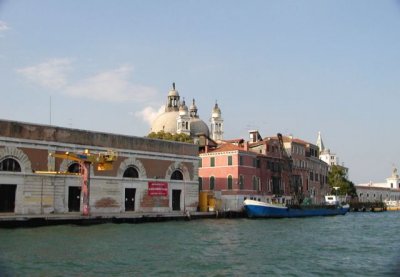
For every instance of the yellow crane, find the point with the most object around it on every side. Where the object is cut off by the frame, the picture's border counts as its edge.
(104, 161)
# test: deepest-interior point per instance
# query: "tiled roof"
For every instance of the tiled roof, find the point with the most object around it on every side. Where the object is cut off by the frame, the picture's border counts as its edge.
(239, 140)
(289, 139)
(227, 147)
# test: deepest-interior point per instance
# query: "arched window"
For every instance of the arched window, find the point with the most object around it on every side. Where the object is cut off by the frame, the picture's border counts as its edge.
(10, 164)
(212, 182)
(230, 182)
(74, 168)
(131, 172)
(200, 183)
(177, 175)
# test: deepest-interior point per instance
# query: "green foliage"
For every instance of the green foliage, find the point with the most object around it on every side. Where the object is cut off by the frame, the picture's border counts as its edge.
(172, 137)
(337, 178)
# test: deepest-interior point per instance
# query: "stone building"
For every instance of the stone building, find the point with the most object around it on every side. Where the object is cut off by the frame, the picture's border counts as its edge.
(389, 191)
(178, 118)
(148, 175)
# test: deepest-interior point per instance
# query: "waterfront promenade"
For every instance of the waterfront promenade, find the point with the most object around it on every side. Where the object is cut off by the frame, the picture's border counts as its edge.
(12, 220)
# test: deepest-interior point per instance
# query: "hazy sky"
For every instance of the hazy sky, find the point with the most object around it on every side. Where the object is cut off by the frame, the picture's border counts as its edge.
(295, 67)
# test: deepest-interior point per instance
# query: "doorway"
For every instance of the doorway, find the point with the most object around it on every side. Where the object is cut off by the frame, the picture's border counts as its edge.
(74, 199)
(130, 199)
(176, 200)
(7, 198)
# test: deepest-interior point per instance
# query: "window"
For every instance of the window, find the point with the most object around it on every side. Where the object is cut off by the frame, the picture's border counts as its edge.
(255, 183)
(74, 168)
(229, 160)
(10, 164)
(212, 183)
(131, 172)
(200, 183)
(200, 162)
(177, 175)
(230, 182)
(212, 161)
(241, 182)
(240, 160)
(254, 162)
(311, 176)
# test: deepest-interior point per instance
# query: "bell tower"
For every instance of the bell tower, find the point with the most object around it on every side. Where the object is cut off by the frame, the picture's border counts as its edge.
(217, 124)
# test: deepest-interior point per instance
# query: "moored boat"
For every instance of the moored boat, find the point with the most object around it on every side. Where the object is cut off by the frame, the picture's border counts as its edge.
(255, 209)
(392, 205)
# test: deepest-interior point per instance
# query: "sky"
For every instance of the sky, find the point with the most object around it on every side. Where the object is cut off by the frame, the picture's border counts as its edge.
(294, 67)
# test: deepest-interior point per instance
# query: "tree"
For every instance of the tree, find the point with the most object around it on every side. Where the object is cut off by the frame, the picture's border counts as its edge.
(172, 137)
(337, 178)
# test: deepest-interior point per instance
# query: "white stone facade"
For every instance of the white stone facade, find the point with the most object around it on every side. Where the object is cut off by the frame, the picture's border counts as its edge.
(154, 161)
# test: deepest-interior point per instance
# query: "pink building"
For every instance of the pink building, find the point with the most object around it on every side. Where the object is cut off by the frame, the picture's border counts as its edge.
(259, 169)
(232, 173)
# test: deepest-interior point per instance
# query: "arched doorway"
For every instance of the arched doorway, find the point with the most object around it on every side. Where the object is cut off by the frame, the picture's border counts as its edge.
(176, 193)
(130, 193)
(8, 191)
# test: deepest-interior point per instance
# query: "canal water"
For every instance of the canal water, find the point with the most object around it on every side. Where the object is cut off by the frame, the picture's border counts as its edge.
(357, 244)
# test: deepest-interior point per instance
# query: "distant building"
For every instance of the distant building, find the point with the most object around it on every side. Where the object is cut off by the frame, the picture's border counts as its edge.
(328, 157)
(148, 175)
(387, 192)
(309, 171)
(178, 118)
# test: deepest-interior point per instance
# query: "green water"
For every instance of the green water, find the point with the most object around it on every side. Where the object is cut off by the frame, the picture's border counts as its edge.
(357, 244)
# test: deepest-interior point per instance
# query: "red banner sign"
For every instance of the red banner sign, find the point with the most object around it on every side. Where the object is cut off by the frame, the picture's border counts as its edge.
(158, 189)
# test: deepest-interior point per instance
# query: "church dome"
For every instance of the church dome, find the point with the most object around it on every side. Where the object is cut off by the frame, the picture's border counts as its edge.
(165, 122)
(198, 126)
(176, 111)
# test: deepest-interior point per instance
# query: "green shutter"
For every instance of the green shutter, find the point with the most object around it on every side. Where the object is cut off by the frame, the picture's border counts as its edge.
(229, 182)
(229, 160)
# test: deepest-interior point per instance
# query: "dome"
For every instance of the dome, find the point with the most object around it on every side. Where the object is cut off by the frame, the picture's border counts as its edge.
(166, 122)
(173, 92)
(193, 106)
(216, 112)
(198, 126)
(183, 109)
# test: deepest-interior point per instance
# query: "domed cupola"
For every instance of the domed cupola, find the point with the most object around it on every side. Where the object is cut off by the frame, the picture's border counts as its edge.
(193, 110)
(183, 109)
(216, 112)
(172, 100)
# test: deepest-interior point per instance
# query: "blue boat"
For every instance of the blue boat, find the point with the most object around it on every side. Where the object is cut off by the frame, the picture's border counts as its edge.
(255, 209)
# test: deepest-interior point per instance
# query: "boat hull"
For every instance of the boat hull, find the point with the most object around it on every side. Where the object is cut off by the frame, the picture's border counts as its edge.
(255, 209)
